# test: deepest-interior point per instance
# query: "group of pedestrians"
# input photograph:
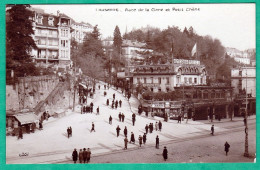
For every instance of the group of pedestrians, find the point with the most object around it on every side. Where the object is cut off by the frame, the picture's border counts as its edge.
(83, 156)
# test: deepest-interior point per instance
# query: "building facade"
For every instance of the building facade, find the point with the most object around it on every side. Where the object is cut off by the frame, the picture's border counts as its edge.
(132, 49)
(165, 77)
(80, 30)
(244, 78)
(52, 38)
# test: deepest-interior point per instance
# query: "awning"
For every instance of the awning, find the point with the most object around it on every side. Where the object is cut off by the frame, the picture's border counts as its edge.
(26, 118)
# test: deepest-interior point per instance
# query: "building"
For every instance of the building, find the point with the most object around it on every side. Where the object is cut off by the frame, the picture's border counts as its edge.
(239, 56)
(80, 30)
(244, 78)
(52, 37)
(132, 49)
(166, 77)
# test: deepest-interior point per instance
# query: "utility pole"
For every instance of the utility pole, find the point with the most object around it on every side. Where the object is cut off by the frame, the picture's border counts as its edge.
(246, 154)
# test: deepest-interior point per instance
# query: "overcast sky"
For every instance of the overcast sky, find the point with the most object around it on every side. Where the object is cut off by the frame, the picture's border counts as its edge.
(232, 24)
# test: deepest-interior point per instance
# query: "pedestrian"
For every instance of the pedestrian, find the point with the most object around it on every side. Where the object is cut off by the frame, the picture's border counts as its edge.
(150, 127)
(112, 106)
(119, 116)
(156, 126)
(165, 154)
(146, 113)
(125, 131)
(160, 125)
(114, 95)
(117, 102)
(132, 137)
(93, 127)
(75, 155)
(117, 130)
(110, 120)
(80, 156)
(91, 107)
(105, 93)
(116, 105)
(179, 119)
(144, 138)
(227, 146)
(140, 140)
(88, 155)
(105, 87)
(84, 155)
(33, 127)
(212, 130)
(126, 141)
(107, 102)
(133, 119)
(20, 135)
(146, 128)
(40, 125)
(157, 142)
(68, 132)
(123, 117)
(120, 103)
(98, 87)
(98, 110)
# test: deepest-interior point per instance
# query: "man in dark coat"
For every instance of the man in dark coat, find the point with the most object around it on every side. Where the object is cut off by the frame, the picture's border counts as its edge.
(179, 119)
(93, 127)
(132, 137)
(116, 105)
(107, 102)
(112, 106)
(40, 125)
(157, 142)
(75, 155)
(146, 128)
(120, 103)
(144, 138)
(114, 96)
(165, 154)
(110, 120)
(20, 135)
(80, 156)
(133, 119)
(68, 132)
(98, 110)
(105, 93)
(119, 116)
(150, 127)
(227, 146)
(117, 130)
(98, 87)
(91, 107)
(125, 131)
(123, 117)
(212, 130)
(84, 155)
(160, 125)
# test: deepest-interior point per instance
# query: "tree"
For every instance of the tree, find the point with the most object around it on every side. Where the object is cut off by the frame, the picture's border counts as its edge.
(185, 31)
(117, 40)
(92, 45)
(19, 41)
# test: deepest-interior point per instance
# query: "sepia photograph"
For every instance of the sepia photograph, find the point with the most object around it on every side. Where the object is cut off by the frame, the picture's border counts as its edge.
(130, 83)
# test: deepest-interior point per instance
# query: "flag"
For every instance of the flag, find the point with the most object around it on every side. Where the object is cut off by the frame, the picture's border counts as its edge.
(194, 49)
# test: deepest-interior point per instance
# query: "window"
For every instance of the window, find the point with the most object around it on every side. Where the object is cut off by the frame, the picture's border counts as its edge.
(138, 80)
(159, 89)
(240, 72)
(152, 80)
(50, 21)
(145, 80)
(212, 95)
(195, 80)
(190, 80)
(39, 31)
(167, 80)
(159, 80)
(39, 19)
(185, 80)
(201, 82)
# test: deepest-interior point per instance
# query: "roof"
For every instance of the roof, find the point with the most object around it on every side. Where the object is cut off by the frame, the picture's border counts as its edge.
(129, 43)
(26, 118)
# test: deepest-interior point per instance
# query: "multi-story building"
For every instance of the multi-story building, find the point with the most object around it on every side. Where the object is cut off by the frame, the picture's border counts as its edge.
(165, 77)
(80, 30)
(244, 78)
(132, 49)
(52, 37)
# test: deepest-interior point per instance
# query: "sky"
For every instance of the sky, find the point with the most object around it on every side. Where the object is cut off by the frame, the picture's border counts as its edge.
(232, 24)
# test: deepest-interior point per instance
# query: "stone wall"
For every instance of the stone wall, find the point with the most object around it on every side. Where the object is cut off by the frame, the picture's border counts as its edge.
(29, 91)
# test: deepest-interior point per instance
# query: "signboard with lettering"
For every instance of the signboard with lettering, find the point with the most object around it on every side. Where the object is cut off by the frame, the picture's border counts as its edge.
(182, 61)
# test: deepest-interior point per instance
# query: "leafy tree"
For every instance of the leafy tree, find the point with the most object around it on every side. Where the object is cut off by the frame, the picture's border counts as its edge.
(19, 41)
(117, 40)
(92, 45)
(185, 31)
